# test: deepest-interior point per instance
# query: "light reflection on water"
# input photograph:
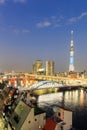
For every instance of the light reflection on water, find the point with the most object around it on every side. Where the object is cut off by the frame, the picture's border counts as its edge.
(75, 100)
(70, 99)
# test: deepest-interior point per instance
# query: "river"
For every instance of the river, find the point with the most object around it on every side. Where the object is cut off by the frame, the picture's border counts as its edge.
(75, 100)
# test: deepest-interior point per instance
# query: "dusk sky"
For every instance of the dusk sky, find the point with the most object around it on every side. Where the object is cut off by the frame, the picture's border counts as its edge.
(40, 30)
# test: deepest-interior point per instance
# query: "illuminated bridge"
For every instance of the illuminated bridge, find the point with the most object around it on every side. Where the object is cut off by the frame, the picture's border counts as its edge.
(27, 79)
(43, 87)
(65, 80)
(46, 84)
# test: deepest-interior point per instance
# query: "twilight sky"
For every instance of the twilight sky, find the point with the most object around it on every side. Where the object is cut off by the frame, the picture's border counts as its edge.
(40, 30)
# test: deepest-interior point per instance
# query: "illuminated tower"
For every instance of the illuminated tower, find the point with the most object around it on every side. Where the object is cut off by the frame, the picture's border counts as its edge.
(71, 65)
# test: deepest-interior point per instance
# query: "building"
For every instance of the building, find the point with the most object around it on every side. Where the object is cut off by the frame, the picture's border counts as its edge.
(20, 114)
(66, 116)
(50, 125)
(37, 66)
(25, 117)
(71, 64)
(61, 120)
(49, 68)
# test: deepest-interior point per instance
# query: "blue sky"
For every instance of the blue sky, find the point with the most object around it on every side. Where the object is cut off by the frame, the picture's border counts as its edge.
(40, 29)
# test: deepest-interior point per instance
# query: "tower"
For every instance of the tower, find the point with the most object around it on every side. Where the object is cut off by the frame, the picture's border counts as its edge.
(71, 64)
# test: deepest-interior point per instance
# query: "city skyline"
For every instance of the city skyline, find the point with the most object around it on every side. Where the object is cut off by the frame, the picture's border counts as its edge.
(32, 30)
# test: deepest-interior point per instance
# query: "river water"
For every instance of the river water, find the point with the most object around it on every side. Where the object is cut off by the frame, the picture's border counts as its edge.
(75, 100)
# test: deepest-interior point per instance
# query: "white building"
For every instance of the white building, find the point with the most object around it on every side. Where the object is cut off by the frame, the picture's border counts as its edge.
(62, 120)
(66, 116)
(25, 117)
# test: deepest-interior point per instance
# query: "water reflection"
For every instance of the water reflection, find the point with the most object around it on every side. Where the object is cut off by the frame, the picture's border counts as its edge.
(75, 100)
(70, 99)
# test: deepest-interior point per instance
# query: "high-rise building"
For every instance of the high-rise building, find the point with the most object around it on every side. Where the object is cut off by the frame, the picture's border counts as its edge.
(71, 64)
(37, 66)
(49, 68)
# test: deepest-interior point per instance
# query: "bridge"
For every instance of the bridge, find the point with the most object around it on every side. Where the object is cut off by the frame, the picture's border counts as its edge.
(45, 84)
(59, 79)
(26, 79)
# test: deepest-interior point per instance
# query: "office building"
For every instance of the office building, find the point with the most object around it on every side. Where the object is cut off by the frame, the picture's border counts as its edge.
(49, 68)
(37, 66)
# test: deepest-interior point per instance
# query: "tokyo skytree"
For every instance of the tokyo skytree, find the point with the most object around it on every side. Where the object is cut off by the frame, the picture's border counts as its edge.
(71, 64)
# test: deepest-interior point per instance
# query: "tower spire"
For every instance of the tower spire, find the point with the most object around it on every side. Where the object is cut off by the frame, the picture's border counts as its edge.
(71, 64)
